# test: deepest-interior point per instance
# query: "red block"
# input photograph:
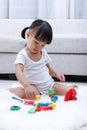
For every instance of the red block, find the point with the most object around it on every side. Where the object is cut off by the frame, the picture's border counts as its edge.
(71, 95)
(44, 108)
(29, 102)
(39, 108)
(47, 108)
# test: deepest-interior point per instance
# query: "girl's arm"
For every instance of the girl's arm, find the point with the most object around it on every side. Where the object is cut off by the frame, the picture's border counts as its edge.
(20, 75)
(55, 74)
(30, 90)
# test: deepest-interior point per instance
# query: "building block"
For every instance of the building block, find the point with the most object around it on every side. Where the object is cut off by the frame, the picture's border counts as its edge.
(53, 104)
(17, 98)
(29, 102)
(54, 98)
(44, 104)
(37, 97)
(15, 108)
(51, 91)
(32, 110)
(48, 108)
(70, 95)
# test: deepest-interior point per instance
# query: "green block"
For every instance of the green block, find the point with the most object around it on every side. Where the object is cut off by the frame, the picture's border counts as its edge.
(51, 91)
(32, 110)
(15, 108)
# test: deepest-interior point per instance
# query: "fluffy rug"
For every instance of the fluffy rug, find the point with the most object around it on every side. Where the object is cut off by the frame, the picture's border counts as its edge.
(71, 115)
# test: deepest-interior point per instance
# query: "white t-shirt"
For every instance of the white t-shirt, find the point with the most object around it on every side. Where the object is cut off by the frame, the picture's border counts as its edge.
(36, 72)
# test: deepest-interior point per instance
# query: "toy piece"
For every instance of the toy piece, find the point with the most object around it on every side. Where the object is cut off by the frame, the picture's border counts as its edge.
(44, 108)
(15, 108)
(47, 108)
(37, 97)
(29, 102)
(71, 95)
(51, 91)
(54, 98)
(18, 99)
(32, 110)
(53, 104)
(44, 104)
(39, 108)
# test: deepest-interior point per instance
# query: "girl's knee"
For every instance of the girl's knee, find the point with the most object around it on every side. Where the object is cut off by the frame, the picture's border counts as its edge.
(19, 91)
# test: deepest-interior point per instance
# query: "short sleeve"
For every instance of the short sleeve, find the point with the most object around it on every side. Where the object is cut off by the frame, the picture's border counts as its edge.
(20, 59)
(47, 57)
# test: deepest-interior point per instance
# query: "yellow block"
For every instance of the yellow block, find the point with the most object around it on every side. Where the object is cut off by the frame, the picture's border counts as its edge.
(37, 97)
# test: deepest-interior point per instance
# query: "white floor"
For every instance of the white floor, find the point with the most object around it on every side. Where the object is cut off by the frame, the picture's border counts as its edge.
(5, 84)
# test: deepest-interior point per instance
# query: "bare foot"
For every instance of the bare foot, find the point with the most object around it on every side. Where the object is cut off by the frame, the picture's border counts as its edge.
(74, 86)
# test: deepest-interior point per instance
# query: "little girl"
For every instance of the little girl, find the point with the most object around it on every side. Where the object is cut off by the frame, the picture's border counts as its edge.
(33, 68)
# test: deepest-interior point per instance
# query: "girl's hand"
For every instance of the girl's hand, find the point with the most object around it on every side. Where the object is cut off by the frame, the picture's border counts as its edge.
(61, 77)
(31, 92)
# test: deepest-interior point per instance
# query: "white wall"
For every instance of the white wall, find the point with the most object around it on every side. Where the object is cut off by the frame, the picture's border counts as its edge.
(24, 9)
(4, 4)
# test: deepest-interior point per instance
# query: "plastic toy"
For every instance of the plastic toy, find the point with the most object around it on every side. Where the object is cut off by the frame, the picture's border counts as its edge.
(45, 108)
(54, 98)
(15, 108)
(53, 104)
(32, 110)
(71, 95)
(44, 104)
(37, 97)
(40, 105)
(18, 99)
(29, 102)
(51, 91)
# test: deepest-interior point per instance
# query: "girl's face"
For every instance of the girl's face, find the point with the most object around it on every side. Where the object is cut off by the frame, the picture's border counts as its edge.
(34, 45)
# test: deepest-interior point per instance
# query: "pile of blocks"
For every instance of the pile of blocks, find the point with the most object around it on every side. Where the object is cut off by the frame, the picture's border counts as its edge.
(45, 106)
(40, 106)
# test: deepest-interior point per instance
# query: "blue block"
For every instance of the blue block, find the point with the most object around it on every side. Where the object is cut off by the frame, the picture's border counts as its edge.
(54, 99)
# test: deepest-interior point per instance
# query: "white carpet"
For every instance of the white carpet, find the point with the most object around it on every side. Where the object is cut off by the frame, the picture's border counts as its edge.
(70, 115)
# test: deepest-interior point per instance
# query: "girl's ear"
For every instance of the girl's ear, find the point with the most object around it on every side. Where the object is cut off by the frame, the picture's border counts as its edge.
(27, 34)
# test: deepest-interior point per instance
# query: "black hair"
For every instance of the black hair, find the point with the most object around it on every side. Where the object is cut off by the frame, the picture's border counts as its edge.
(43, 33)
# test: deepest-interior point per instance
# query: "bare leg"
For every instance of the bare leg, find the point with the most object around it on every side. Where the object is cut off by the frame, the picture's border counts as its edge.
(20, 92)
(62, 89)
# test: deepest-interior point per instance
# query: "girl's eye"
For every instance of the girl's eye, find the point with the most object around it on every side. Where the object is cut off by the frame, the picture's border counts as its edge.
(36, 42)
(43, 45)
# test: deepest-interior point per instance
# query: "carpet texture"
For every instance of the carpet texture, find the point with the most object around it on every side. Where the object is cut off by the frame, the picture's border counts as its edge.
(71, 115)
